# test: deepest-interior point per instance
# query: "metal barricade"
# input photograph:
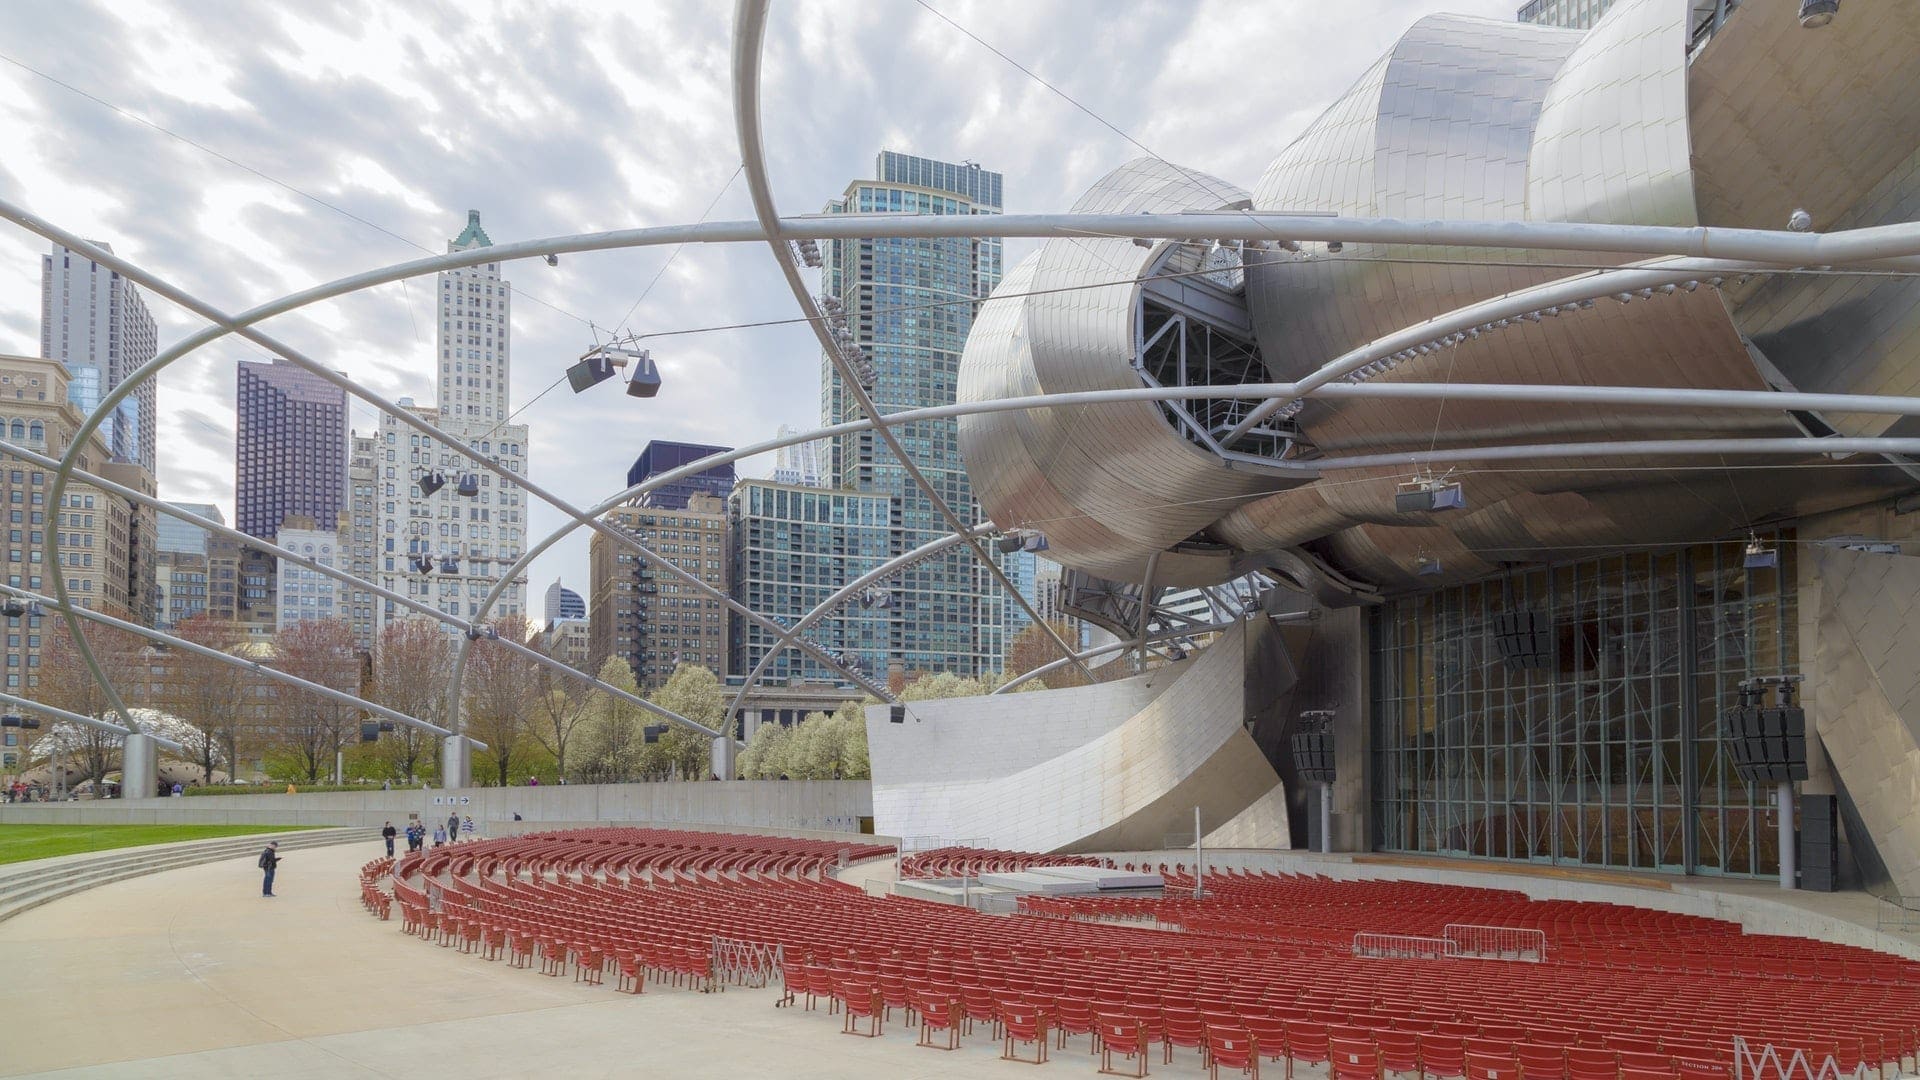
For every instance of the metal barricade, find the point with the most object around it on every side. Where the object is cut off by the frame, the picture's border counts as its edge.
(1373, 946)
(1901, 913)
(745, 963)
(1767, 1063)
(1469, 941)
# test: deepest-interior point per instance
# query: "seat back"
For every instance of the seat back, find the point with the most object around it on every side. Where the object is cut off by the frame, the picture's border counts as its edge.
(1399, 1050)
(1229, 1046)
(1442, 1055)
(1491, 1067)
(1353, 1059)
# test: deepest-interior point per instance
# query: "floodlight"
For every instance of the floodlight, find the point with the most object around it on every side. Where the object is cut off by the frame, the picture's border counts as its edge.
(592, 370)
(652, 732)
(1428, 567)
(1817, 13)
(12, 608)
(1761, 556)
(645, 381)
(423, 563)
(12, 721)
(369, 731)
(431, 483)
(469, 485)
(487, 633)
(1800, 220)
(1007, 545)
(1335, 247)
(449, 565)
(1034, 542)
(553, 260)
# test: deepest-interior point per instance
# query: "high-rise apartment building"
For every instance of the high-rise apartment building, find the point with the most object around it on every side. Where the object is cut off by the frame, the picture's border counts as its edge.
(661, 456)
(447, 529)
(359, 537)
(647, 617)
(94, 321)
(791, 548)
(1573, 14)
(910, 303)
(289, 447)
(798, 465)
(570, 642)
(563, 603)
(181, 567)
(243, 586)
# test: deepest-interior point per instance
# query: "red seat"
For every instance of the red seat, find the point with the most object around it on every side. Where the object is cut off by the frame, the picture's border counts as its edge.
(938, 1014)
(861, 1000)
(1491, 1067)
(1124, 1035)
(1233, 1048)
(1306, 1043)
(1353, 1059)
(1442, 1056)
(1023, 1023)
(1540, 1062)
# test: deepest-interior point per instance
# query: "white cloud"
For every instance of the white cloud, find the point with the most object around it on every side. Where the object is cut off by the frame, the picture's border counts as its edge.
(569, 118)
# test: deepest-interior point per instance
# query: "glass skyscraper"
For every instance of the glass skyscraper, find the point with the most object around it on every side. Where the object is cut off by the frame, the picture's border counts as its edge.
(910, 303)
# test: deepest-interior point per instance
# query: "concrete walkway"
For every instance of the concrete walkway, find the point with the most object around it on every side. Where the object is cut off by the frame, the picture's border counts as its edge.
(191, 973)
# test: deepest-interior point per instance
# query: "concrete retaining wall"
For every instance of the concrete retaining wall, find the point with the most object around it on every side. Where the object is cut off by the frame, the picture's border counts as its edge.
(827, 806)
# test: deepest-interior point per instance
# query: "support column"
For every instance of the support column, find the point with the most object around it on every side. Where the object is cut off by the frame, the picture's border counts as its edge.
(139, 768)
(723, 753)
(456, 762)
(1783, 810)
(1326, 819)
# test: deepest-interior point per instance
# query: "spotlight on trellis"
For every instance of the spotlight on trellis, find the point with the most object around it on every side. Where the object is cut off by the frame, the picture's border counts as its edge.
(652, 732)
(449, 565)
(482, 633)
(1428, 566)
(431, 483)
(370, 729)
(469, 485)
(1428, 495)
(592, 369)
(645, 381)
(1817, 13)
(30, 723)
(1761, 556)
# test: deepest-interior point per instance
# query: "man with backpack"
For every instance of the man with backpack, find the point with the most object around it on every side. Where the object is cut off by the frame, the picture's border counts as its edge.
(388, 834)
(269, 861)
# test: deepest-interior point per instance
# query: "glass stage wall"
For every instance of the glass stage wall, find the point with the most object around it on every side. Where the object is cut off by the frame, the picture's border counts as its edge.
(1598, 743)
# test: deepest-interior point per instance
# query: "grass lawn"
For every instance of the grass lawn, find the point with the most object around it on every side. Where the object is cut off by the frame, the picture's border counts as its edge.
(18, 843)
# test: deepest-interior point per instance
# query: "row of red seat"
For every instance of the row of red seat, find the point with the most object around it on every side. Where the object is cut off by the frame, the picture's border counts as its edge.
(651, 903)
(953, 862)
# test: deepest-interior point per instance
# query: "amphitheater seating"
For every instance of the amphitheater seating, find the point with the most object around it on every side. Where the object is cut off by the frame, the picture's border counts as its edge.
(1261, 966)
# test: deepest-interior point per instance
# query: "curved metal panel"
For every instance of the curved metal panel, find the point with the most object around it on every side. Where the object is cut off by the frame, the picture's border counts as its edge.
(1110, 485)
(961, 768)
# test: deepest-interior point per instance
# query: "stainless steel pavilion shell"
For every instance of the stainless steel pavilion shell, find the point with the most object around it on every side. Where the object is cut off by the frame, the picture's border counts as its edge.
(1114, 486)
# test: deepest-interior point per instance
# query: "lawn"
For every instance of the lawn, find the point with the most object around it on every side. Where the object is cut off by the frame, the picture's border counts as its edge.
(19, 843)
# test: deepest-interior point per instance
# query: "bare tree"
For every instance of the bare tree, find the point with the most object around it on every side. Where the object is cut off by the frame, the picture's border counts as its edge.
(565, 701)
(410, 664)
(65, 683)
(217, 699)
(315, 728)
(1032, 648)
(502, 689)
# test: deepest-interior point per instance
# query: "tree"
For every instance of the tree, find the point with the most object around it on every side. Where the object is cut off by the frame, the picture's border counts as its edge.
(566, 702)
(502, 687)
(216, 698)
(65, 683)
(411, 661)
(694, 692)
(314, 728)
(945, 684)
(1032, 648)
(823, 746)
(609, 743)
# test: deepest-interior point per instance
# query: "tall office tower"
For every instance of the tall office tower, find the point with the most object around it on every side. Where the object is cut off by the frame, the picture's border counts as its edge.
(646, 617)
(447, 530)
(563, 603)
(910, 303)
(792, 547)
(359, 534)
(1573, 14)
(289, 447)
(660, 456)
(798, 465)
(180, 564)
(93, 321)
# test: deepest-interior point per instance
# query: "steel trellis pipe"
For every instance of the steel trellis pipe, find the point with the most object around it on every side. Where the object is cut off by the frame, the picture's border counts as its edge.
(1112, 647)
(840, 596)
(337, 696)
(87, 721)
(336, 574)
(749, 26)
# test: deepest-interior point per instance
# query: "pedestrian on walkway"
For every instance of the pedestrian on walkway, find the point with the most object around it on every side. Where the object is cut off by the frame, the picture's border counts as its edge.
(466, 827)
(439, 835)
(453, 826)
(269, 862)
(388, 834)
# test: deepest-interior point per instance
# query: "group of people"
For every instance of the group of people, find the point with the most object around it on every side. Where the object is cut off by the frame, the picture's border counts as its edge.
(416, 832)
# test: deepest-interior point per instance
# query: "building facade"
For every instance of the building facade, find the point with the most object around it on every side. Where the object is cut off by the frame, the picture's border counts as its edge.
(360, 539)
(798, 465)
(790, 549)
(910, 305)
(569, 641)
(181, 567)
(563, 603)
(305, 594)
(660, 456)
(94, 321)
(289, 447)
(645, 616)
(469, 538)
(1572, 14)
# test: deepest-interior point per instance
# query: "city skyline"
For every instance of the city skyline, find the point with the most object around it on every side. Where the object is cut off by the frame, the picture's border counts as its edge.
(252, 238)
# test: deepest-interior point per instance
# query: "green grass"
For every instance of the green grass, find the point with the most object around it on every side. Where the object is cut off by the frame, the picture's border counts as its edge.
(19, 843)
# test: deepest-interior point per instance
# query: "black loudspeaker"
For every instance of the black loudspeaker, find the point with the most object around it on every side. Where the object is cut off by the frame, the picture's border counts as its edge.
(1819, 843)
(1768, 742)
(897, 714)
(1525, 640)
(1313, 756)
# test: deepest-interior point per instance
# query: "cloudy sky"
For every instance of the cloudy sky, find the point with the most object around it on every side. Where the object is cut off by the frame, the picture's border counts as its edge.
(248, 150)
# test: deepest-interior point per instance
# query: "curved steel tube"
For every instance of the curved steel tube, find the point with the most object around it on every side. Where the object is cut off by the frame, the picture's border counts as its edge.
(749, 26)
(1649, 448)
(87, 721)
(345, 577)
(1101, 650)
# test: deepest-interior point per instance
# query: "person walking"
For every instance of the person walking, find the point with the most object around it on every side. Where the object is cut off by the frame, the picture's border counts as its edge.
(269, 862)
(388, 834)
(466, 827)
(453, 826)
(439, 835)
